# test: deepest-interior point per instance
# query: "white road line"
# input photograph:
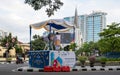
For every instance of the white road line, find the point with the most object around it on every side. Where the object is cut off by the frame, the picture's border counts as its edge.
(14, 70)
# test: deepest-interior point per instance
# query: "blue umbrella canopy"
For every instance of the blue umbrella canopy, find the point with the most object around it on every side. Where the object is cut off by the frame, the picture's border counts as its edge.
(58, 25)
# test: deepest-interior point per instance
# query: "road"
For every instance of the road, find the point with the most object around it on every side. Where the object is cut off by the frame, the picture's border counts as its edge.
(7, 69)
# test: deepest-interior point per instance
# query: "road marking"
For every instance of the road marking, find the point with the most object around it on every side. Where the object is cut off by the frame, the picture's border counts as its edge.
(13, 70)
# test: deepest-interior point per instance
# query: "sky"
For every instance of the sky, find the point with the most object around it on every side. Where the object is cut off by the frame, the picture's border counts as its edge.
(16, 16)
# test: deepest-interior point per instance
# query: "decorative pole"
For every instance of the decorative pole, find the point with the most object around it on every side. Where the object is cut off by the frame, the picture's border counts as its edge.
(30, 38)
(50, 37)
(74, 36)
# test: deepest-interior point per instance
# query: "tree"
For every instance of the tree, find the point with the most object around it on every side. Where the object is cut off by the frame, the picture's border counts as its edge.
(110, 39)
(112, 31)
(9, 42)
(51, 5)
(18, 49)
(38, 43)
(73, 46)
(87, 47)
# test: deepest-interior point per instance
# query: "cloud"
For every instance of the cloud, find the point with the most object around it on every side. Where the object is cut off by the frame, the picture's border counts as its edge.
(16, 16)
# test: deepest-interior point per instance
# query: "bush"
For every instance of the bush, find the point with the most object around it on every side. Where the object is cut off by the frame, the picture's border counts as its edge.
(98, 59)
(103, 59)
(113, 59)
(82, 58)
(9, 59)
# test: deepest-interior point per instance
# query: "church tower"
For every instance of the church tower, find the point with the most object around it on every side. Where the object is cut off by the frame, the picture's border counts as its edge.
(78, 36)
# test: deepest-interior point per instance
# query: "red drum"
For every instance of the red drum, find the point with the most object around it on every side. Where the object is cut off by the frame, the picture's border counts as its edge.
(57, 69)
(65, 69)
(48, 69)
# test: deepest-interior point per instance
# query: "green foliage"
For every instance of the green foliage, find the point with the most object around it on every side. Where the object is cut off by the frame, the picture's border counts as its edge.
(66, 48)
(87, 47)
(113, 59)
(51, 5)
(38, 43)
(9, 59)
(72, 46)
(112, 31)
(77, 52)
(103, 59)
(110, 41)
(18, 49)
(9, 42)
(82, 58)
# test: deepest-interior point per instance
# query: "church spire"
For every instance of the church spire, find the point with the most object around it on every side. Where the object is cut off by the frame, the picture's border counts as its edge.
(76, 19)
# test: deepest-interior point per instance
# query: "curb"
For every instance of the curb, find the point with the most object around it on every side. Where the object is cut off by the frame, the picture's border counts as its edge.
(118, 69)
(20, 69)
(100, 69)
(30, 70)
(13, 62)
(84, 69)
(74, 69)
(93, 69)
(114, 68)
(7, 63)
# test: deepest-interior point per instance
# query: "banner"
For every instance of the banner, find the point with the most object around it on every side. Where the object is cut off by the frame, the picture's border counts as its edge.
(62, 58)
(39, 59)
(42, 58)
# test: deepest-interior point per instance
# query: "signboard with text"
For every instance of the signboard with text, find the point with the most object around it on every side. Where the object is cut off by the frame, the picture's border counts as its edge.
(63, 58)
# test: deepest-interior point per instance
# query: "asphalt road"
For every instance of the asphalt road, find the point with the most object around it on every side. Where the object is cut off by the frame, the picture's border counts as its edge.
(7, 69)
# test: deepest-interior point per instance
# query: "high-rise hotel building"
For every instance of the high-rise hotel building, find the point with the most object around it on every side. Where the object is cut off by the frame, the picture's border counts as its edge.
(90, 25)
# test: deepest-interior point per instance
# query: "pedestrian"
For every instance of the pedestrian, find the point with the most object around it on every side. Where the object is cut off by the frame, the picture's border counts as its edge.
(57, 41)
(23, 55)
(51, 41)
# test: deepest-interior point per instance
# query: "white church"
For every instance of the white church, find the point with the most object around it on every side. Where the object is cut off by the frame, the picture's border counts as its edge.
(76, 33)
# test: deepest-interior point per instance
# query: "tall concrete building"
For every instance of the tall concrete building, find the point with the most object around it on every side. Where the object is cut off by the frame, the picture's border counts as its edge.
(90, 25)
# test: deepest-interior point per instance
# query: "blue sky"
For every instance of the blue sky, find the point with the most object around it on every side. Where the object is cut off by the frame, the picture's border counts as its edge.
(15, 16)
